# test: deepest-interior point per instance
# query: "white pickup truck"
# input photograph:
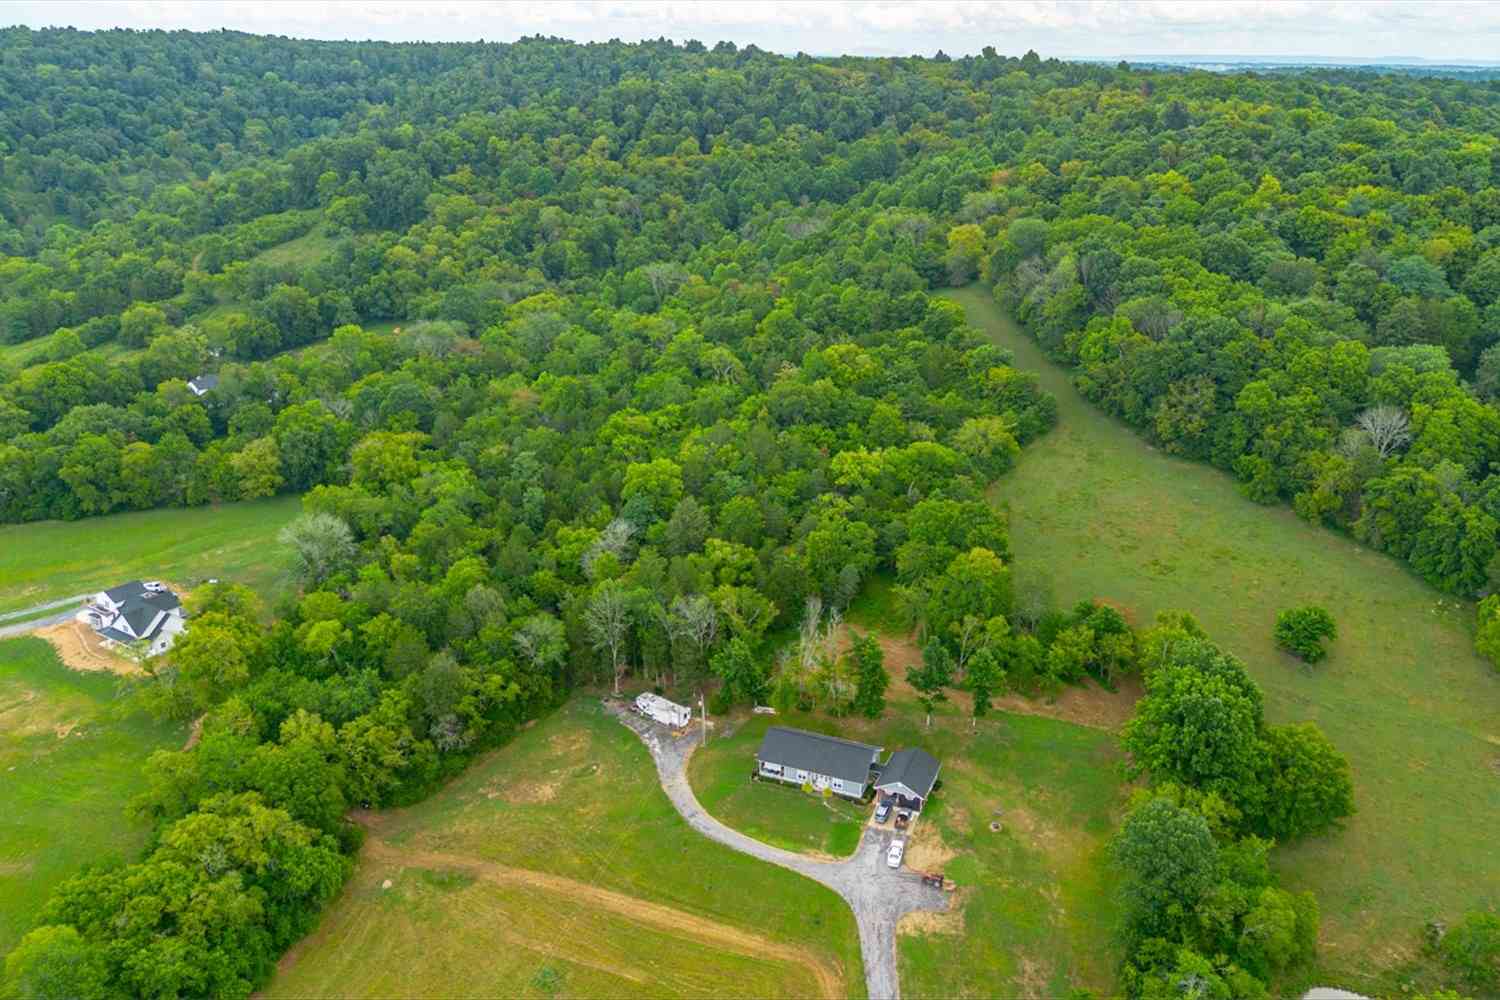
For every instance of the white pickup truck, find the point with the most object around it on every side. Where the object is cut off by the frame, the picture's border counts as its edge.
(893, 856)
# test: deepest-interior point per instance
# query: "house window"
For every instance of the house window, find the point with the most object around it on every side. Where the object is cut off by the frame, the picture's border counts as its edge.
(769, 768)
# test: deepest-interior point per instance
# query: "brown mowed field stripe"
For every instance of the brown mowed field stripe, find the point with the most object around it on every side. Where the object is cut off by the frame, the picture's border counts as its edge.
(656, 915)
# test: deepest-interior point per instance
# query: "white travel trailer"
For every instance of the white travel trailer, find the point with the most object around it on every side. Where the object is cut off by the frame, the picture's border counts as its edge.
(659, 709)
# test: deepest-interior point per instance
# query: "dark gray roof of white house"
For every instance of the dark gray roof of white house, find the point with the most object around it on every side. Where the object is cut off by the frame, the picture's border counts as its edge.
(203, 383)
(837, 758)
(135, 588)
(914, 768)
(163, 600)
(140, 615)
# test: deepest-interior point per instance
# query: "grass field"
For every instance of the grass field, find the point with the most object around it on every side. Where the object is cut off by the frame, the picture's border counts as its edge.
(1035, 910)
(557, 865)
(1402, 693)
(47, 560)
(70, 758)
(304, 251)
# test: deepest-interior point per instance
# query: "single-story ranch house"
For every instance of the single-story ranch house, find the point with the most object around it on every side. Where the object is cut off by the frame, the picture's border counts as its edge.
(907, 778)
(802, 758)
(135, 611)
(846, 767)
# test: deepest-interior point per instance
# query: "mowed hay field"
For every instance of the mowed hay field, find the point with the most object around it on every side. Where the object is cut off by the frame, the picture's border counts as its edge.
(1402, 692)
(70, 758)
(236, 542)
(1035, 909)
(556, 865)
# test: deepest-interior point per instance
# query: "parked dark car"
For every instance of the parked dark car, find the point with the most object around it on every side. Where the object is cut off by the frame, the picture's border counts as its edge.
(882, 811)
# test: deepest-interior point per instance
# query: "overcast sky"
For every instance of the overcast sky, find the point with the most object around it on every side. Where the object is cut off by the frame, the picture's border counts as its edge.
(1434, 29)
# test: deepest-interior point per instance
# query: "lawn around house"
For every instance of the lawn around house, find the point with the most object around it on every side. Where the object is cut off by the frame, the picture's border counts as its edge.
(71, 753)
(1402, 693)
(1035, 912)
(235, 542)
(556, 864)
(777, 813)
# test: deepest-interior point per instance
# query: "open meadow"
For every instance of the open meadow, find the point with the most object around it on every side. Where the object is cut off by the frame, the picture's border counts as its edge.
(556, 865)
(236, 542)
(1402, 693)
(70, 758)
(1034, 912)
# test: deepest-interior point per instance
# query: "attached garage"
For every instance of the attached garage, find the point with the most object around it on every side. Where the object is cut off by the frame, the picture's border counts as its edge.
(907, 778)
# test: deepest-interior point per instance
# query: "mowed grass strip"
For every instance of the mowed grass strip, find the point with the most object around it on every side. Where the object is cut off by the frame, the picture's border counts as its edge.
(70, 758)
(236, 542)
(574, 798)
(1035, 911)
(448, 931)
(1402, 692)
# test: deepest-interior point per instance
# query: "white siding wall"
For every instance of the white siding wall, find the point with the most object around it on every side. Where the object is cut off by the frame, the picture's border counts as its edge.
(797, 776)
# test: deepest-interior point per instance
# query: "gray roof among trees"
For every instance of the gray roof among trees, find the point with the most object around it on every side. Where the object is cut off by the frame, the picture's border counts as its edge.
(837, 758)
(914, 768)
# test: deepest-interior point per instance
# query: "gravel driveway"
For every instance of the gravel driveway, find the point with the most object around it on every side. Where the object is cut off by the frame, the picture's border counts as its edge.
(69, 607)
(878, 896)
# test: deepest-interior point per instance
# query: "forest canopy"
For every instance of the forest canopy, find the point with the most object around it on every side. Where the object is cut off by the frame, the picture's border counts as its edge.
(606, 361)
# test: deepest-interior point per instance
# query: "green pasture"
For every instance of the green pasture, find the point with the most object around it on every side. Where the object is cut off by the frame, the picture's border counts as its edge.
(1402, 693)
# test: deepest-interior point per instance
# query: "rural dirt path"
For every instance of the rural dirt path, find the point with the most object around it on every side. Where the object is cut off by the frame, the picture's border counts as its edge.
(657, 915)
(878, 896)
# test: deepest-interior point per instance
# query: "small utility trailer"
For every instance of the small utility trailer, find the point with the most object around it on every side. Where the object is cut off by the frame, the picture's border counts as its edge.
(658, 709)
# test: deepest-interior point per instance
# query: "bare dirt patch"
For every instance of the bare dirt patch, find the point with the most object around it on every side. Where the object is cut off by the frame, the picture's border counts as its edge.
(949, 921)
(81, 649)
(830, 981)
(1031, 978)
(926, 851)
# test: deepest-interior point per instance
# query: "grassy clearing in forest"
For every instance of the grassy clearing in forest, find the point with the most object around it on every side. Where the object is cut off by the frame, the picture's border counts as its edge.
(70, 758)
(235, 542)
(556, 864)
(1402, 693)
(1035, 910)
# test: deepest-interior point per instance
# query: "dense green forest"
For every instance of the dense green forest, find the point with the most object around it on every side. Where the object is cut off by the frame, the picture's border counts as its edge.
(608, 360)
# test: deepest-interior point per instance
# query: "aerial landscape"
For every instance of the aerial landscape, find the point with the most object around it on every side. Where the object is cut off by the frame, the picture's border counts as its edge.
(749, 500)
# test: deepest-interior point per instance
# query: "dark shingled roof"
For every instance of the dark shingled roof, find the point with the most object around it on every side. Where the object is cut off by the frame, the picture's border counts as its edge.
(162, 600)
(135, 588)
(140, 615)
(916, 769)
(796, 748)
(204, 383)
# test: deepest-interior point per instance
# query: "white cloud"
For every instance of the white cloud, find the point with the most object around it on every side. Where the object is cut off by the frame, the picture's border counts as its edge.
(1434, 29)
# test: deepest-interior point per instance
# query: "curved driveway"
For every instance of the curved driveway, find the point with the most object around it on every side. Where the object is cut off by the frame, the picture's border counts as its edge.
(878, 896)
